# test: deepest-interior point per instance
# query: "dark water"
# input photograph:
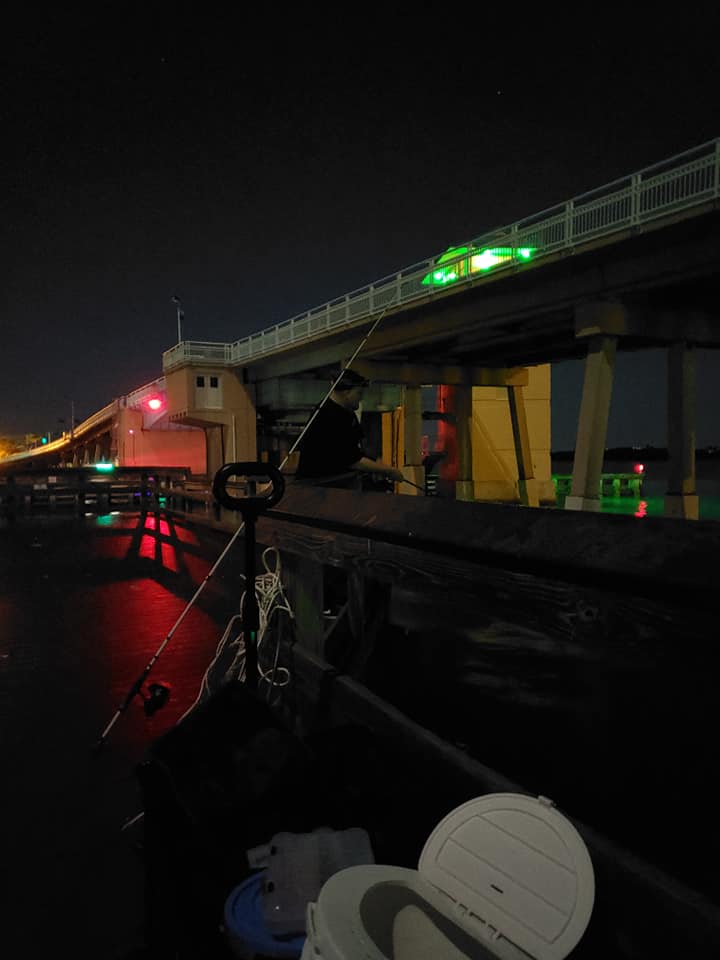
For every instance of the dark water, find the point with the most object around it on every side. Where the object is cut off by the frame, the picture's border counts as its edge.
(651, 501)
(84, 604)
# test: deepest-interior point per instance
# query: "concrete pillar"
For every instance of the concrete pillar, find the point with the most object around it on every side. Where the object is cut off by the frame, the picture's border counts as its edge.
(681, 499)
(464, 419)
(412, 422)
(527, 485)
(592, 426)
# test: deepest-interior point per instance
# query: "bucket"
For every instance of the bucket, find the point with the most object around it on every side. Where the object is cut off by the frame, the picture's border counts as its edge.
(246, 931)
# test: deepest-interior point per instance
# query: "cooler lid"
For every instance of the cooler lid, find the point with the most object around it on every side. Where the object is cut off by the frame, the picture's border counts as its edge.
(515, 865)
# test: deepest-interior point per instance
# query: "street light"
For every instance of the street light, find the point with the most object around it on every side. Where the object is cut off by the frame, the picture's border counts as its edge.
(180, 316)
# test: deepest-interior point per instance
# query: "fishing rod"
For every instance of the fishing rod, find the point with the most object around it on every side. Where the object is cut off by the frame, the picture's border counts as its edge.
(136, 688)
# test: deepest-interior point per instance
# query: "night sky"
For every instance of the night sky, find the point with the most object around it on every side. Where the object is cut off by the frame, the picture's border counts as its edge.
(257, 165)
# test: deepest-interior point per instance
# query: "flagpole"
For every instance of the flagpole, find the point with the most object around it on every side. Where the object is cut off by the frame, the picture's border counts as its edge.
(176, 301)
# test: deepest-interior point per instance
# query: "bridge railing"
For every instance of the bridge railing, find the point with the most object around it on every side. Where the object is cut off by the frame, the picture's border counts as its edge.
(673, 185)
(197, 350)
(135, 398)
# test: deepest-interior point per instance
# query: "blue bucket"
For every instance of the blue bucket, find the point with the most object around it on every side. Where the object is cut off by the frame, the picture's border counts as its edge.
(245, 924)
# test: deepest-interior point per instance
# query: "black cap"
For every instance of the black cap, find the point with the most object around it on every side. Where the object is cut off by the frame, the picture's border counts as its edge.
(350, 379)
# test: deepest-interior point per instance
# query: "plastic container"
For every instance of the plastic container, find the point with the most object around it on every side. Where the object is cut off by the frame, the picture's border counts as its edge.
(245, 927)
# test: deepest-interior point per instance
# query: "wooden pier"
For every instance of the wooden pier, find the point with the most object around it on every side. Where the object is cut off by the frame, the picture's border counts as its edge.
(493, 648)
(96, 489)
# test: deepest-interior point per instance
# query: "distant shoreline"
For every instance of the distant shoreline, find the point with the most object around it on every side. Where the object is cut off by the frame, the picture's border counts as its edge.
(639, 453)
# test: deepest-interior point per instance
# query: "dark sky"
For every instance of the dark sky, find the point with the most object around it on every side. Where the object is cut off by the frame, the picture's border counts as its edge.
(257, 165)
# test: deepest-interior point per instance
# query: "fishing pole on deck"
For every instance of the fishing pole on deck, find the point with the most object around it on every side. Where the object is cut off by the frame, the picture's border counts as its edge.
(219, 486)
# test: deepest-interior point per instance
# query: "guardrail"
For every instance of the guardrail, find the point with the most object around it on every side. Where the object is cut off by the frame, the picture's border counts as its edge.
(670, 186)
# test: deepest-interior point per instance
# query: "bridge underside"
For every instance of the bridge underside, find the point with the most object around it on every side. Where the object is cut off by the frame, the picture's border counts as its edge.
(653, 288)
(667, 282)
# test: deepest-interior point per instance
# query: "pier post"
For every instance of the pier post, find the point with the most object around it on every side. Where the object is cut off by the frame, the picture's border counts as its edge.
(681, 498)
(527, 484)
(413, 468)
(592, 425)
(464, 489)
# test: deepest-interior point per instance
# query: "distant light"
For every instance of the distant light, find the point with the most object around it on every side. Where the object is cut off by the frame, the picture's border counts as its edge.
(639, 468)
(43, 440)
(155, 403)
(105, 467)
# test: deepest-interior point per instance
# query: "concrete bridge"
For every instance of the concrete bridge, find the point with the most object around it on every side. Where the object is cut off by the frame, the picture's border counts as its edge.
(630, 266)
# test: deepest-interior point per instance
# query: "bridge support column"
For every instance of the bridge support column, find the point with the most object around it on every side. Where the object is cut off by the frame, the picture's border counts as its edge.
(413, 468)
(464, 488)
(681, 499)
(592, 426)
(527, 484)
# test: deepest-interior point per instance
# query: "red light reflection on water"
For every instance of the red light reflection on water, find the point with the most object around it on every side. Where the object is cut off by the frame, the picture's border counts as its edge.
(118, 626)
(133, 620)
(642, 509)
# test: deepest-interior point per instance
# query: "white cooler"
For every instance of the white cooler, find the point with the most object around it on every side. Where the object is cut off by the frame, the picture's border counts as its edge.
(504, 875)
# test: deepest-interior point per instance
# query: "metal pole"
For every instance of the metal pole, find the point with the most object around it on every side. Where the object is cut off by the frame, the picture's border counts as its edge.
(178, 310)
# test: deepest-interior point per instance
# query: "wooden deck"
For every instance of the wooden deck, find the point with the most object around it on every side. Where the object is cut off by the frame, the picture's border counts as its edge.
(492, 648)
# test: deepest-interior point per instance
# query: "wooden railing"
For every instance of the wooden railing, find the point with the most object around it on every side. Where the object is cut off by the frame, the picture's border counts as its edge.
(612, 606)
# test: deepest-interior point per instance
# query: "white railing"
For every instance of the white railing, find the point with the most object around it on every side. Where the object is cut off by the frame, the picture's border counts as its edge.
(135, 398)
(107, 413)
(677, 184)
(197, 350)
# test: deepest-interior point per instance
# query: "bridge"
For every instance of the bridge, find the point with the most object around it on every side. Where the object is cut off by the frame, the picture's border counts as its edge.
(632, 265)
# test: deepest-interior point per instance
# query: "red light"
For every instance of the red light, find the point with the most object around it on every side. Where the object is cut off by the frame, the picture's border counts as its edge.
(154, 403)
(639, 468)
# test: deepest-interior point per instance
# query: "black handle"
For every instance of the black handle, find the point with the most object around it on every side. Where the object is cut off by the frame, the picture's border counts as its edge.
(248, 505)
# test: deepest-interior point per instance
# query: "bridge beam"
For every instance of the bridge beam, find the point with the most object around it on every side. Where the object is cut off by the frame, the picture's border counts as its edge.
(592, 426)
(445, 374)
(651, 324)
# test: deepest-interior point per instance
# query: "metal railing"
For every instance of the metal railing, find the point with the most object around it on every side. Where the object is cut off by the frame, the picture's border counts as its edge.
(673, 185)
(135, 398)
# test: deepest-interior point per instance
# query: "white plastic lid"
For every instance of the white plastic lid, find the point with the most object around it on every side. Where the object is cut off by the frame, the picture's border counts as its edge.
(519, 866)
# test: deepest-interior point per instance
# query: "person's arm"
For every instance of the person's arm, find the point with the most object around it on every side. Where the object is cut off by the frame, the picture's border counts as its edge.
(366, 465)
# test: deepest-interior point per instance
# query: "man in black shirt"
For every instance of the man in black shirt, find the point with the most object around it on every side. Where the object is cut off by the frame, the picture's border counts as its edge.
(331, 452)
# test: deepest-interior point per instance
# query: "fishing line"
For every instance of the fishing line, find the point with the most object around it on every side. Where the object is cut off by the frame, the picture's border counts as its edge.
(137, 686)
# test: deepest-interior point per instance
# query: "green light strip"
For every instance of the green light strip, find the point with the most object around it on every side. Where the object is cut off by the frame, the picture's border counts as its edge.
(479, 261)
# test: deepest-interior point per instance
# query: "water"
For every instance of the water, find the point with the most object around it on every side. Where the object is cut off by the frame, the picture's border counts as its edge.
(655, 478)
(84, 604)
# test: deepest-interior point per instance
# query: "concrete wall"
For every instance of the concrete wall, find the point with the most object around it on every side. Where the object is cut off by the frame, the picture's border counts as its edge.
(140, 447)
(495, 473)
(215, 399)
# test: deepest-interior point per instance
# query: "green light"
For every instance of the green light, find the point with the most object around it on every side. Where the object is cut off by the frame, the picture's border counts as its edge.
(43, 440)
(479, 261)
(105, 467)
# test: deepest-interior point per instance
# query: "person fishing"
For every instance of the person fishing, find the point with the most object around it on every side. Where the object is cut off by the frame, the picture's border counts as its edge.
(331, 450)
